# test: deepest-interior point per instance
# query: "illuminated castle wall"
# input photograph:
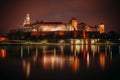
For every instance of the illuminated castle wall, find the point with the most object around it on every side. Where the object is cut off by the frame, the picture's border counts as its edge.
(48, 26)
(59, 26)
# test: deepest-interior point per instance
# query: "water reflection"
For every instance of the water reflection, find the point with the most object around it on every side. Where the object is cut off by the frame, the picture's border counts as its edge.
(62, 57)
(2, 53)
(102, 60)
(26, 67)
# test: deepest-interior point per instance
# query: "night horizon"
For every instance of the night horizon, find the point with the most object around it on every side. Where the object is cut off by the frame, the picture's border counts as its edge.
(90, 12)
(59, 40)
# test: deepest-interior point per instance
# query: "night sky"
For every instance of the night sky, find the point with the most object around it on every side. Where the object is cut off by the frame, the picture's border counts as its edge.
(92, 12)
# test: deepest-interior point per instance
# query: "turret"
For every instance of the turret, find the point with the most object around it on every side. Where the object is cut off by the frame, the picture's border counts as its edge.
(74, 23)
(27, 20)
(101, 28)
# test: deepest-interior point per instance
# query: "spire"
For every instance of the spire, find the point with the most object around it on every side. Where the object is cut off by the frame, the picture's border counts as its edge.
(27, 20)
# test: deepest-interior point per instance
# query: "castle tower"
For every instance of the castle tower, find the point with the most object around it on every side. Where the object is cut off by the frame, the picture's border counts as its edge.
(27, 20)
(74, 23)
(101, 28)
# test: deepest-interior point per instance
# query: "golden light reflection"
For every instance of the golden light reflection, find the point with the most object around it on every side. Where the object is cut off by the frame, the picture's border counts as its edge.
(77, 47)
(76, 64)
(61, 33)
(59, 61)
(35, 57)
(62, 49)
(44, 49)
(53, 61)
(26, 67)
(92, 41)
(93, 49)
(102, 60)
(88, 60)
(49, 61)
(2, 53)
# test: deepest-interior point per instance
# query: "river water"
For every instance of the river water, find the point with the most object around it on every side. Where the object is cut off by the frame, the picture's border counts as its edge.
(60, 62)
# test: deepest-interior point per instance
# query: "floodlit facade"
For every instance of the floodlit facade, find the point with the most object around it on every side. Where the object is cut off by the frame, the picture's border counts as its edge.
(48, 26)
(58, 26)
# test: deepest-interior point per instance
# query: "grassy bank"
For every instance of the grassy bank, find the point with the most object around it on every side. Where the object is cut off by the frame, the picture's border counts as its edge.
(45, 42)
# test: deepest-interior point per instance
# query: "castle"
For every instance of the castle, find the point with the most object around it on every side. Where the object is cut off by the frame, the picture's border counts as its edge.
(41, 29)
(59, 26)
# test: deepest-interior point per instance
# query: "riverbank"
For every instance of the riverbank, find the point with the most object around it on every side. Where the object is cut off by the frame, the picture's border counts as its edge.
(45, 42)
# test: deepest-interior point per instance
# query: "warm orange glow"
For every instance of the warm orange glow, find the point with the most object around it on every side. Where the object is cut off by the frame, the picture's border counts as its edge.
(101, 28)
(74, 24)
(102, 60)
(76, 64)
(48, 61)
(34, 33)
(61, 33)
(26, 67)
(2, 53)
(3, 38)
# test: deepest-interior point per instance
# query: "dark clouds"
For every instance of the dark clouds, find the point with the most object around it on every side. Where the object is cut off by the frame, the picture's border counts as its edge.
(92, 12)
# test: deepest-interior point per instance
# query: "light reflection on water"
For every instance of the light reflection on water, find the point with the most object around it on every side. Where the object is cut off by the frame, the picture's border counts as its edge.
(61, 58)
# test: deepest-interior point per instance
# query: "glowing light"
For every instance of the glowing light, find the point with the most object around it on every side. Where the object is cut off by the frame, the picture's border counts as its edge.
(62, 49)
(27, 20)
(53, 62)
(93, 49)
(82, 41)
(3, 38)
(74, 23)
(26, 67)
(101, 28)
(2, 53)
(76, 64)
(53, 27)
(92, 41)
(88, 60)
(61, 33)
(102, 60)
(77, 41)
